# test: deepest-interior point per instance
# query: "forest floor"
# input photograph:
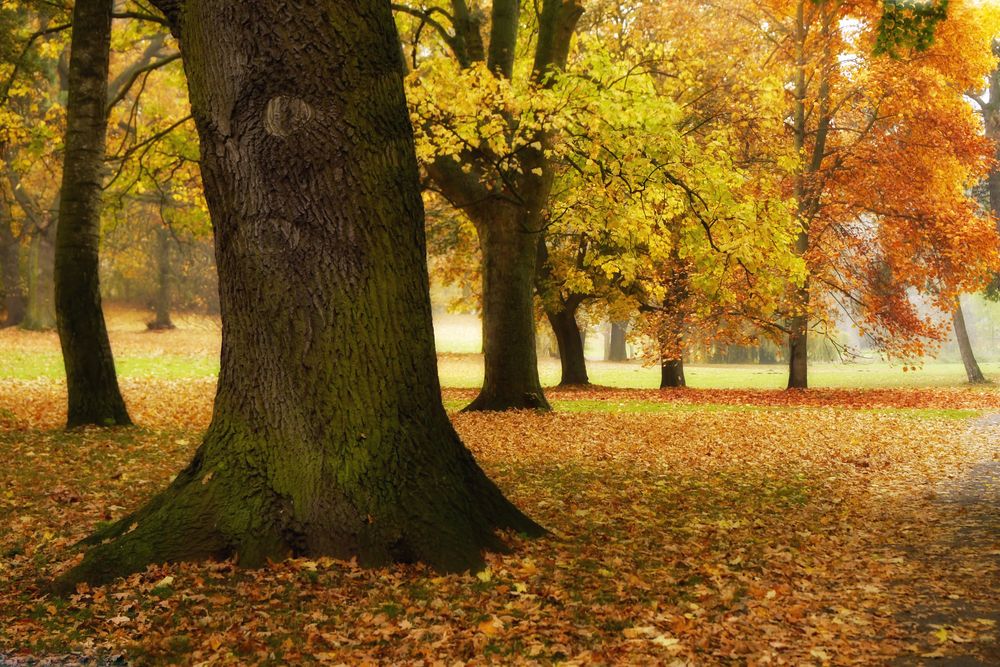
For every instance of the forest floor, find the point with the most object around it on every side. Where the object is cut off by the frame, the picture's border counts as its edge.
(705, 526)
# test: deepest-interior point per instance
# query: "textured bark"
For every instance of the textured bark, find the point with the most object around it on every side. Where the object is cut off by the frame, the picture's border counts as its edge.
(571, 357)
(94, 397)
(672, 373)
(618, 347)
(972, 370)
(510, 357)
(328, 435)
(163, 282)
(15, 299)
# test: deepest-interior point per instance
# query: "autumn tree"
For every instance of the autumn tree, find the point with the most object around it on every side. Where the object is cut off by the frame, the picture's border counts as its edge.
(484, 150)
(669, 192)
(887, 151)
(328, 435)
(988, 104)
(92, 383)
(33, 69)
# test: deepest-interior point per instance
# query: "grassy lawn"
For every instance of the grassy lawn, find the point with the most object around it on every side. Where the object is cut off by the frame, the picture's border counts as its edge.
(192, 352)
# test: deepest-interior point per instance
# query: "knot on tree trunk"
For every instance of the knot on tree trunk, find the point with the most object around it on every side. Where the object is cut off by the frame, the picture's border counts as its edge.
(286, 115)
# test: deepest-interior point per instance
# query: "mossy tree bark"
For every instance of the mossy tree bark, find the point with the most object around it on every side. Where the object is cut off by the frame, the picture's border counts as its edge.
(328, 435)
(972, 370)
(94, 397)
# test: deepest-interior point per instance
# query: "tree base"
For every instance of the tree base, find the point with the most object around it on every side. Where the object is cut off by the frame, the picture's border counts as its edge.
(575, 384)
(493, 402)
(445, 518)
(156, 325)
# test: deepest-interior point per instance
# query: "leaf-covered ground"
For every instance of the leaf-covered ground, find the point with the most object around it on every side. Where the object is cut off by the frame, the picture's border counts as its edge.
(699, 527)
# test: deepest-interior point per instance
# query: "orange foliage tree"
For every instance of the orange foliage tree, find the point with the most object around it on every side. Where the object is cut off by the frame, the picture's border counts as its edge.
(888, 152)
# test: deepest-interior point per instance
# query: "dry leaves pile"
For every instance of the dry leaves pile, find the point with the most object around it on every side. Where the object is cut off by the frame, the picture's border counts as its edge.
(782, 534)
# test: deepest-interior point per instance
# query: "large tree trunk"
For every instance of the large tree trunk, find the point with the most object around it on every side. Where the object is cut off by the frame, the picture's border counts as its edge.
(618, 349)
(672, 373)
(15, 301)
(94, 397)
(571, 357)
(328, 436)
(972, 370)
(509, 249)
(41, 307)
(163, 286)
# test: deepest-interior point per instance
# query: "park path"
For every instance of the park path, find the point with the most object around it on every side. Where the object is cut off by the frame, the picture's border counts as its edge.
(964, 628)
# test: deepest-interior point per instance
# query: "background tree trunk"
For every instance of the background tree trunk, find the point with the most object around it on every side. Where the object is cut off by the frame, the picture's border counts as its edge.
(511, 363)
(672, 373)
(798, 352)
(15, 300)
(94, 397)
(328, 436)
(972, 370)
(41, 307)
(163, 278)
(618, 349)
(571, 356)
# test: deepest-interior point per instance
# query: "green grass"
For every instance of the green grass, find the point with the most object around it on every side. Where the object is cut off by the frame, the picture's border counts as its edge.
(191, 352)
(467, 372)
(39, 365)
(664, 407)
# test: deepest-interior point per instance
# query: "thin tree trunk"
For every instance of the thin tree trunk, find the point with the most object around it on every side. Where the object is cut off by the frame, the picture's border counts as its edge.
(798, 326)
(798, 352)
(94, 397)
(41, 308)
(570, 340)
(163, 286)
(15, 300)
(672, 347)
(618, 350)
(972, 370)
(511, 363)
(328, 436)
(672, 373)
